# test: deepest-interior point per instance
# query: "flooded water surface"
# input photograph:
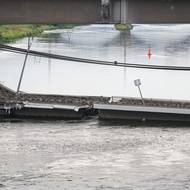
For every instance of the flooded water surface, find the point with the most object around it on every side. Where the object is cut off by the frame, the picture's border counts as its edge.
(169, 46)
(92, 155)
(89, 154)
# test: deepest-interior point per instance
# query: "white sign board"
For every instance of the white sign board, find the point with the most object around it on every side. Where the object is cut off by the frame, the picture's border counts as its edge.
(137, 82)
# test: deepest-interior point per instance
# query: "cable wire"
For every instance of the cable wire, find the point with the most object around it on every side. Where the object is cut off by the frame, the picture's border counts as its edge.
(90, 61)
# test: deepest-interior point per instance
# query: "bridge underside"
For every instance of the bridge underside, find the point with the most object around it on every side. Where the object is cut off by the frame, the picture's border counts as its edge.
(94, 11)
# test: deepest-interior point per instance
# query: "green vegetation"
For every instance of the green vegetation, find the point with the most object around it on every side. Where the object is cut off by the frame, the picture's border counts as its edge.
(11, 33)
(123, 27)
(63, 26)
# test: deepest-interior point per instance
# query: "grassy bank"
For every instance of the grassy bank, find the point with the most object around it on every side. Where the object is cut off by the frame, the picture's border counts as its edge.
(11, 33)
(123, 27)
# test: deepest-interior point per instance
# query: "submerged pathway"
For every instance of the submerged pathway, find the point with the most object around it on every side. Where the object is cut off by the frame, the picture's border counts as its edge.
(24, 105)
(14, 104)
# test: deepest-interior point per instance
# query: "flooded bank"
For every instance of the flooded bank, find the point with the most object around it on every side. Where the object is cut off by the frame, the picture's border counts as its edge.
(91, 154)
(169, 46)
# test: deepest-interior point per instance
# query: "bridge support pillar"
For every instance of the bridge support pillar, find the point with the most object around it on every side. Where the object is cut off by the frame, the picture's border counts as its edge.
(124, 11)
(119, 13)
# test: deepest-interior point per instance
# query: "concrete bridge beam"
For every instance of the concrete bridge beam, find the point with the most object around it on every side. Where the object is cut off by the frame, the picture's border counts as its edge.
(94, 11)
(150, 11)
(50, 11)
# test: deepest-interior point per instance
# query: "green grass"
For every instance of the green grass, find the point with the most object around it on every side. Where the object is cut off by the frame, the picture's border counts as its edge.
(123, 27)
(64, 26)
(11, 33)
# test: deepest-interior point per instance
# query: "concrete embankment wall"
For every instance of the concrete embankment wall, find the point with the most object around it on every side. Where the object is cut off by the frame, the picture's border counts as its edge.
(48, 113)
(76, 107)
(141, 116)
(46, 106)
(153, 103)
(59, 99)
(6, 94)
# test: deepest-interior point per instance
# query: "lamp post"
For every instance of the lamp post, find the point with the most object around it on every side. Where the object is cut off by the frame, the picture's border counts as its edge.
(137, 83)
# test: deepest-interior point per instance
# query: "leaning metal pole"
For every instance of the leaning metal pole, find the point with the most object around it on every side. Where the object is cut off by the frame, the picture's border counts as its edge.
(24, 65)
(141, 95)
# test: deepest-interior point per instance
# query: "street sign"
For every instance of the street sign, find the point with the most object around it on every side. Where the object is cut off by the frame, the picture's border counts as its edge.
(137, 82)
